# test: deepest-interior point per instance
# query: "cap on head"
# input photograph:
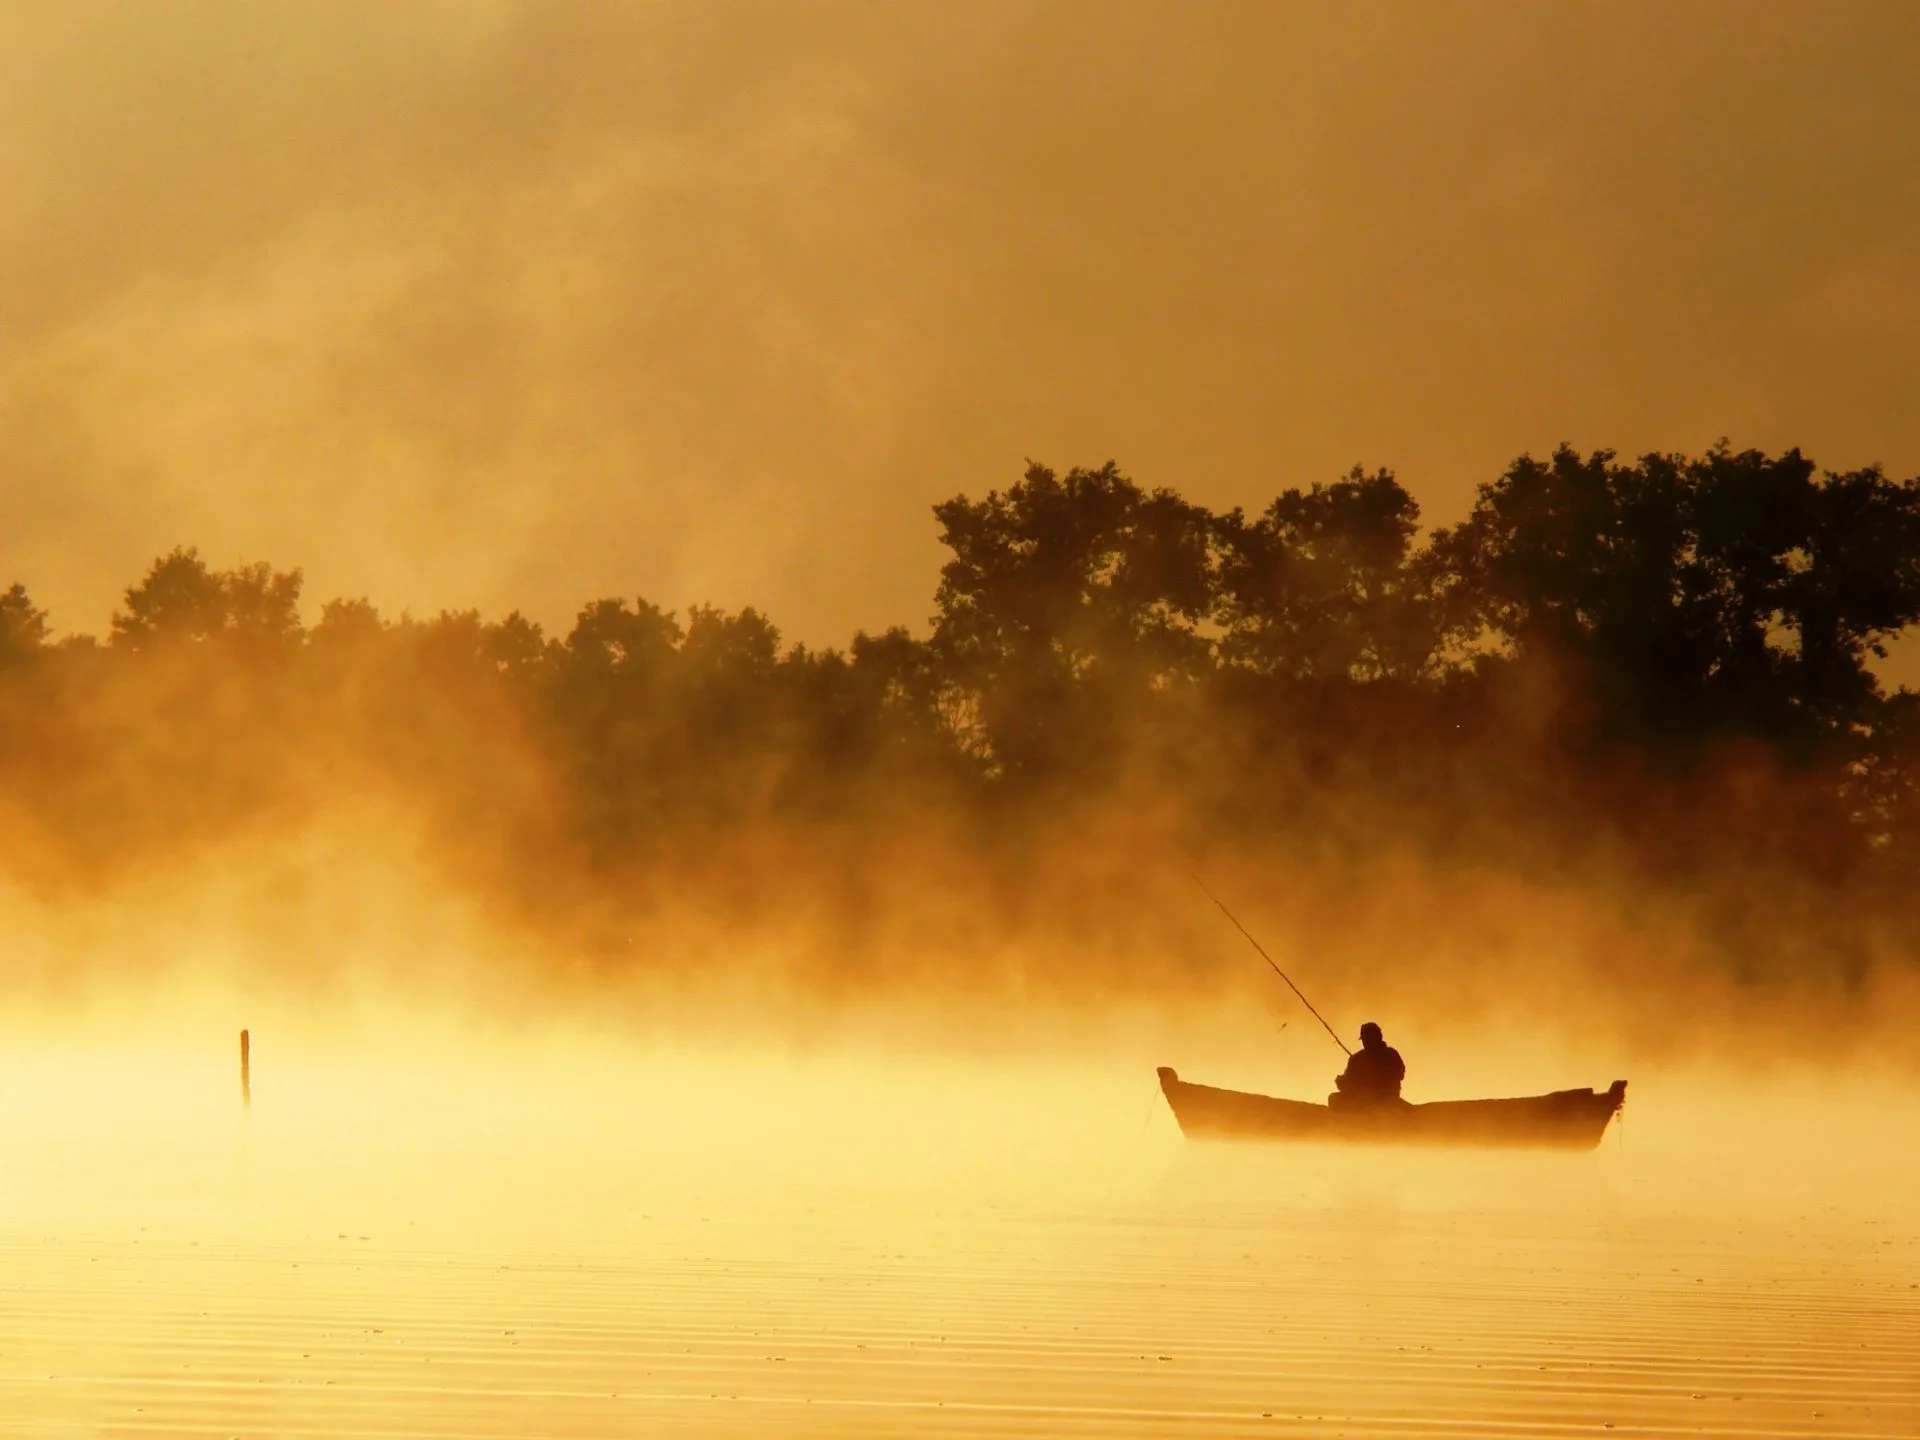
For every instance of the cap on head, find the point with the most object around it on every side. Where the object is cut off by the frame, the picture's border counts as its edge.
(1369, 1033)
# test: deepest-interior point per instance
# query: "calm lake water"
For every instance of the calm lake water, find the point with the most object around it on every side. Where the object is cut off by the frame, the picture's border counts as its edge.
(702, 1246)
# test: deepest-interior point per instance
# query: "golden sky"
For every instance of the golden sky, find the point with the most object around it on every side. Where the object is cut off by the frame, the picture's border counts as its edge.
(473, 302)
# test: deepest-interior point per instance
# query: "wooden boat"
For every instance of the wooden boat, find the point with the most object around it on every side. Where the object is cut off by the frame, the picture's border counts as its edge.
(1564, 1120)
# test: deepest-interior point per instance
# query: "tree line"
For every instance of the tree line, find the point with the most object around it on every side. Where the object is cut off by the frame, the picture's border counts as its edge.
(1668, 659)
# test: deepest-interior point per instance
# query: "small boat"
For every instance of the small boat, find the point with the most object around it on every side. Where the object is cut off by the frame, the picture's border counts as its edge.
(1564, 1120)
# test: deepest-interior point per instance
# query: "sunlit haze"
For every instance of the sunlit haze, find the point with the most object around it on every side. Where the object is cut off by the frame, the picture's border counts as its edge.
(1051, 719)
(513, 305)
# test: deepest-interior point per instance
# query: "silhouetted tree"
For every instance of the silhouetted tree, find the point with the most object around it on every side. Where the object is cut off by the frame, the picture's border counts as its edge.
(262, 605)
(610, 679)
(1066, 600)
(1732, 594)
(182, 601)
(728, 713)
(23, 627)
(903, 694)
(347, 624)
(1320, 588)
(1662, 663)
(609, 638)
(516, 646)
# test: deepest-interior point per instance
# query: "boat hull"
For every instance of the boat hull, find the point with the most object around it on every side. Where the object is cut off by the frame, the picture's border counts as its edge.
(1564, 1120)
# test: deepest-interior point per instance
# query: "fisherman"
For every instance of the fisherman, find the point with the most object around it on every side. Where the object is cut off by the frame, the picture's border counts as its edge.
(1373, 1072)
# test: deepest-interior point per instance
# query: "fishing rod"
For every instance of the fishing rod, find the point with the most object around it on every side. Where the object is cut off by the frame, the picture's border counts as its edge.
(1269, 959)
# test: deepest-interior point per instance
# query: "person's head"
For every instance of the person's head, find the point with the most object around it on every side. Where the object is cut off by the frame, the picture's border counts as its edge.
(1370, 1035)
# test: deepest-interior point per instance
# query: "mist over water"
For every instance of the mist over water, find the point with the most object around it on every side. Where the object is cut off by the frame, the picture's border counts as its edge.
(423, 1234)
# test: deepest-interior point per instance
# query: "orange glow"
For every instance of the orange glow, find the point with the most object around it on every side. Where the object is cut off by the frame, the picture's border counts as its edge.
(702, 1013)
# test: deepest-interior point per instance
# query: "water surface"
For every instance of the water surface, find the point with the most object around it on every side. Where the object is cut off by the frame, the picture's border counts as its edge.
(735, 1245)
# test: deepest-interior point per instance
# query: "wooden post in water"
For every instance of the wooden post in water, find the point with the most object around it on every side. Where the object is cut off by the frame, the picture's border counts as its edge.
(246, 1075)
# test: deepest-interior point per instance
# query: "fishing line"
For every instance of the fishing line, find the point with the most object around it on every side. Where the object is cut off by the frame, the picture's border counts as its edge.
(1269, 959)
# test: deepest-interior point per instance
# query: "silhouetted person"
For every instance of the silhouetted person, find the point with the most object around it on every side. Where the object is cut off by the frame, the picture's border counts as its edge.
(1373, 1072)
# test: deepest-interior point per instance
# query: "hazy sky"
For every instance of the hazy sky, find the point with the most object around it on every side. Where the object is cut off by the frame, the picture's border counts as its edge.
(472, 302)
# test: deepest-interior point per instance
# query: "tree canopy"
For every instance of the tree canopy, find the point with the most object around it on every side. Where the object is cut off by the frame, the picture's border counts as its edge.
(1604, 651)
